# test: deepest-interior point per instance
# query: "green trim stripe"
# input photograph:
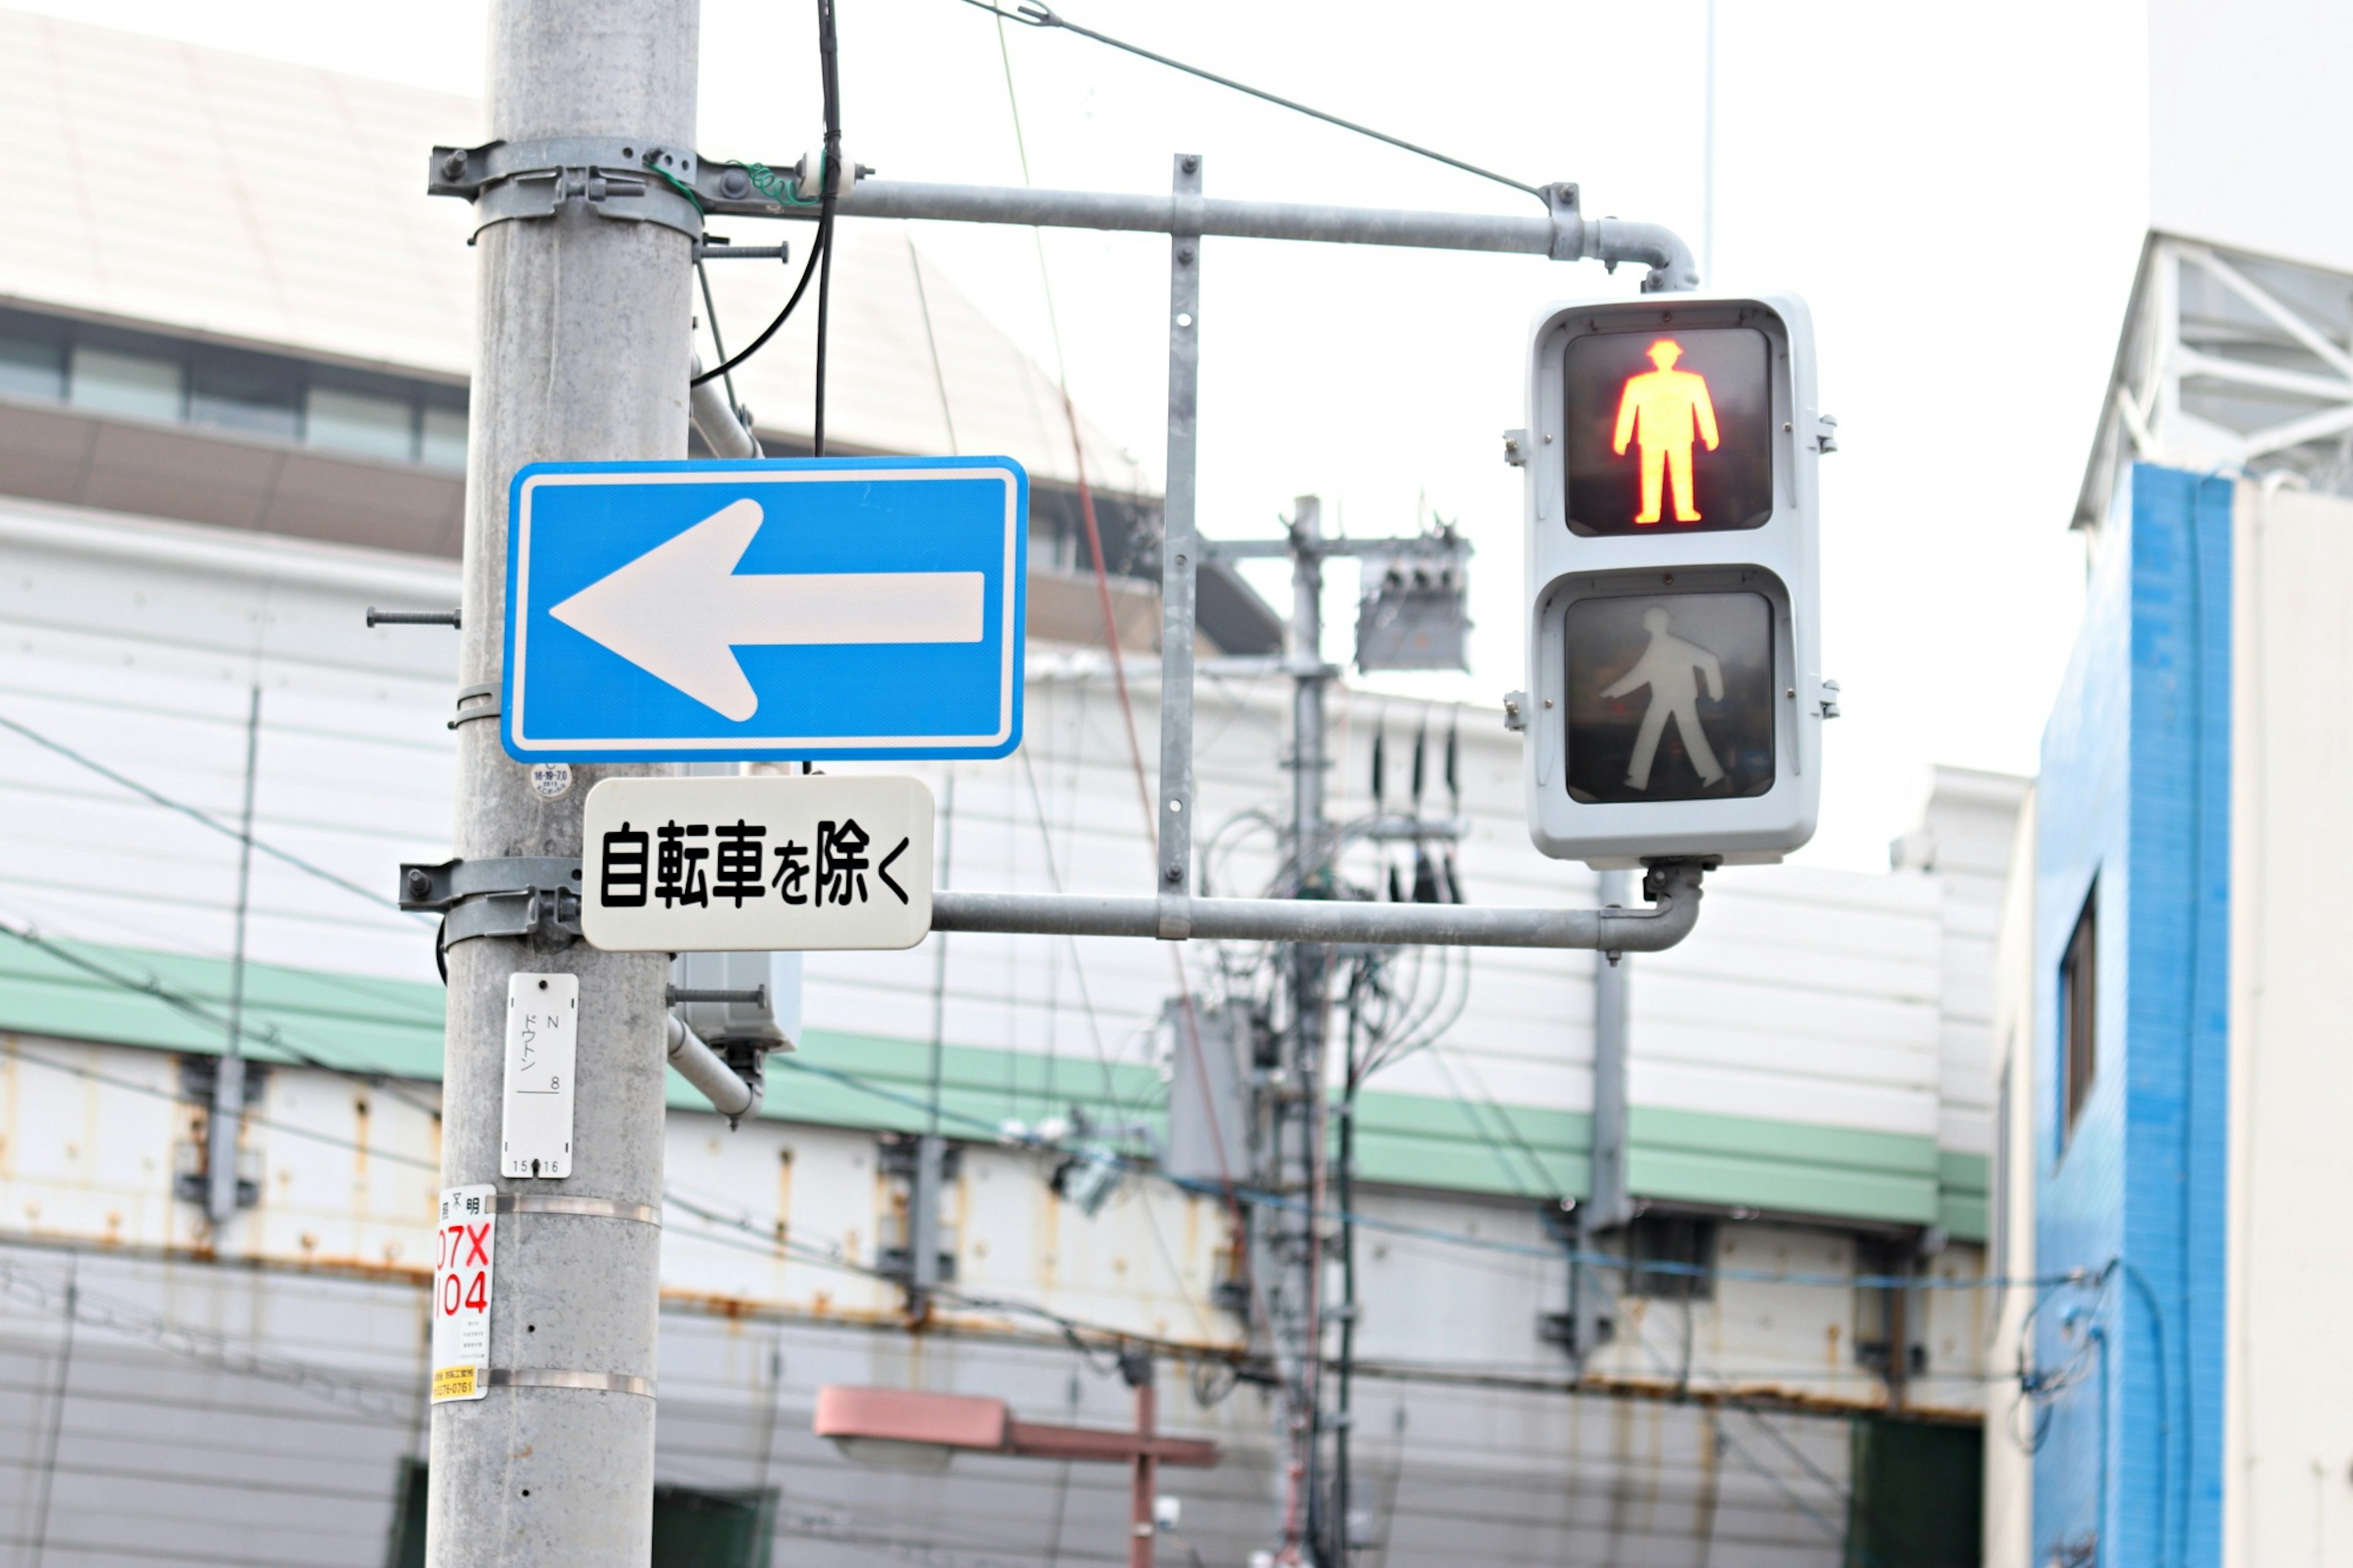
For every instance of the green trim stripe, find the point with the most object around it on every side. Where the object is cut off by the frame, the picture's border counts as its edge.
(394, 1027)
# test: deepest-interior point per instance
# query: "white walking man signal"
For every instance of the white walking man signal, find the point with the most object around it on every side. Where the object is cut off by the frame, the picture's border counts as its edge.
(1673, 669)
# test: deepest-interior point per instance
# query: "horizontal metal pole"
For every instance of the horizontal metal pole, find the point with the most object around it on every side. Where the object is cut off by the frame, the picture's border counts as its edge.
(1653, 930)
(1562, 232)
(1283, 549)
(708, 1072)
(1531, 235)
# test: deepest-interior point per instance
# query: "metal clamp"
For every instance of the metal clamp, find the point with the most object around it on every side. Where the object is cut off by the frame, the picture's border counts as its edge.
(506, 895)
(566, 1202)
(484, 700)
(558, 1377)
(627, 178)
(1567, 221)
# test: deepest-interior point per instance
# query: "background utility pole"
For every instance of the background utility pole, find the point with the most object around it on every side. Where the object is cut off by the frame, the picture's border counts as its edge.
(583, 355)
(1297, 1102)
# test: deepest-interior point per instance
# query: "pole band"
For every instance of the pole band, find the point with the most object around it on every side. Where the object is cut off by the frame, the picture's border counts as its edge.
(591, 1208)
(556, 1377)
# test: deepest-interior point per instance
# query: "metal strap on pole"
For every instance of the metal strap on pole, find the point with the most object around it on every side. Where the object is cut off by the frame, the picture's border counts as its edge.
(1178, 548)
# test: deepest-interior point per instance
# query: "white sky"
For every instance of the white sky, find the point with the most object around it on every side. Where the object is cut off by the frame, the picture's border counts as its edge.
(1959, 193)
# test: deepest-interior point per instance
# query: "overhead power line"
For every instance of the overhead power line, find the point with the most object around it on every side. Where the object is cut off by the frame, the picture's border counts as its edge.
(189, 1007)
(194, 813)
(1044, 17)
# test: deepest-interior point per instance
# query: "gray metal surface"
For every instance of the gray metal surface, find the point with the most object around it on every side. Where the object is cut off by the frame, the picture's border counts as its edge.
(1209, 1108)
(1297, 1099)
(730, 1095)
(1565, 234)
(1179, 547)
(1607, 1197)
(583, 355)
(721, 427)
(276, 1437)
(612, 175)
(1607, 1203)
(1330, 920)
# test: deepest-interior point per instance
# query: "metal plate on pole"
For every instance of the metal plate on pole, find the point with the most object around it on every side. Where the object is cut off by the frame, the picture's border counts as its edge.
(542, 1041)
(761, 864)
(795, 609)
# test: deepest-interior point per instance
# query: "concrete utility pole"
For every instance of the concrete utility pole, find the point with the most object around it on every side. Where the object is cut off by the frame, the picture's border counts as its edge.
(583, 355)
(1299, 1103)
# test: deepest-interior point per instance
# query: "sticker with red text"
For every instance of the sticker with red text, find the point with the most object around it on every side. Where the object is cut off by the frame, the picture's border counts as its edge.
(461, 1293)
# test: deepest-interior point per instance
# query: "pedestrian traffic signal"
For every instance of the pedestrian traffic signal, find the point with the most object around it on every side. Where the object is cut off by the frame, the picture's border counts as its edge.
(1674, 698)
(1647, 405)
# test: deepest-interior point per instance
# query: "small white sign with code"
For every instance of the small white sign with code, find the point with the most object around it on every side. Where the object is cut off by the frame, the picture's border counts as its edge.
(461, 1293)
(542, 1041)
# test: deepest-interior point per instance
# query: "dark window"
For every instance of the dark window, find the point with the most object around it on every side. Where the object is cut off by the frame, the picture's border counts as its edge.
(31, 367)
(2079, 1014)
(1916, 1493)
(262, 400)
(693, 1528)
(1685, 1244)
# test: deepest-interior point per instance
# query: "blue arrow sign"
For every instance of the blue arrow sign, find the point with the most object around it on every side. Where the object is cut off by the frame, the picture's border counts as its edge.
(807, 608)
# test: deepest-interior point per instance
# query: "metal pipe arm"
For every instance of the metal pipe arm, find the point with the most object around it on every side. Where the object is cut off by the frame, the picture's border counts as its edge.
(708, 1072)
(1564, 233)
(1666, 923)
(720, 425)
(1208, 216)
(1613, 239)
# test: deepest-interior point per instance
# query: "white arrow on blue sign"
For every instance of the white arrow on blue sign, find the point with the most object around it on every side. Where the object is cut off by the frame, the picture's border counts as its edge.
(797, 608)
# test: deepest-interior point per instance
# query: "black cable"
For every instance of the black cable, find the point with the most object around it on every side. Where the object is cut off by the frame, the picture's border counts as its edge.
(199, 1012)
(711, 314)
(830, 189)
(1031, 13)
(808, 271)
(819, 264)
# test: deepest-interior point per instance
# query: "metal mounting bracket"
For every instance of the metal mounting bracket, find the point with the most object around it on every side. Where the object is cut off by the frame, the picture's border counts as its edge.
(505, 895)
(1567, 221)
(631, 179)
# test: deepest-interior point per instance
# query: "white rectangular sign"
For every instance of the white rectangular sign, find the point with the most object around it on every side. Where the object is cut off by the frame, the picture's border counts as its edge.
(461, 1293)
(543, 1039)
(770, 863)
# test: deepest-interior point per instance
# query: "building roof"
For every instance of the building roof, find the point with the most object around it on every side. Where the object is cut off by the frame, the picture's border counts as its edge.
(283, 205)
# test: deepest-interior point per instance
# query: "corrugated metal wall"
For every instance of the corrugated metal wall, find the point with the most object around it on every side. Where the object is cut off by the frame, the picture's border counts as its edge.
(219, 1415)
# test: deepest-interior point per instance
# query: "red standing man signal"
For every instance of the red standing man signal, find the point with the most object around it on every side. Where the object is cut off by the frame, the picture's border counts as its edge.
(1660, 411)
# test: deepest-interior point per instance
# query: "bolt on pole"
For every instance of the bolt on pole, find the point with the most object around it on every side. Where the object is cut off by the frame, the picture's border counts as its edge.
(583, 355)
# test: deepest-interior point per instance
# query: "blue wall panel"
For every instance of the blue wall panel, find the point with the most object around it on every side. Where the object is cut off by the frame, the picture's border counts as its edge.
(2136, 794)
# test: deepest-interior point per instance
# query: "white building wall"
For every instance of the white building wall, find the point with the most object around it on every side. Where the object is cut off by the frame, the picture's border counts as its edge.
(2008, 1539)
(2288, 1416)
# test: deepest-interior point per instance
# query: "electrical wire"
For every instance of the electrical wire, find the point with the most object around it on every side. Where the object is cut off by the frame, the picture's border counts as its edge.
(217, 1350)
(17, 1052)
(189, 1007)
(823, 243)
(718, 345)
(819, 264)
(193, 813)
(1263, 1199)
(829, 193)
(1189, 1018)
(1031, 13)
